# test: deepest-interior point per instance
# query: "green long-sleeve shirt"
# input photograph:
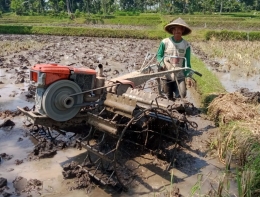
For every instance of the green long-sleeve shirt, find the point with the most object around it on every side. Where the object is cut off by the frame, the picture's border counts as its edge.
(161, 49)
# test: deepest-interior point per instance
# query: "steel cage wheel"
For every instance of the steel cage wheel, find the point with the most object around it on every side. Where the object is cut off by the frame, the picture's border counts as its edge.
(57, 103)
(117, 166)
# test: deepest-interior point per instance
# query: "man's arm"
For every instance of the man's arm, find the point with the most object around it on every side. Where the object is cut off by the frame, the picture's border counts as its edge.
(187, 56)
(160, 52)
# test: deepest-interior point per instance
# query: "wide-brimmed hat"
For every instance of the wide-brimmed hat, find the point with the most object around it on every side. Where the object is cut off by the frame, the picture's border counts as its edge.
(179, 22)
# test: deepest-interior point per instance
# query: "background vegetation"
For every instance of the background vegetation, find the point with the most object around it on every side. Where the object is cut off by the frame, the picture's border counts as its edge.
(59, 7)
(145, 25)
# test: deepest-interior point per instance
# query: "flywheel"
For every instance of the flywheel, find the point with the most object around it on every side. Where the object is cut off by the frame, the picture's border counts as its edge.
(56, 102)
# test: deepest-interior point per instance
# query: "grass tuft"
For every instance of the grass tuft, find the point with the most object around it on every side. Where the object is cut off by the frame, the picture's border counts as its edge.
(208, 85)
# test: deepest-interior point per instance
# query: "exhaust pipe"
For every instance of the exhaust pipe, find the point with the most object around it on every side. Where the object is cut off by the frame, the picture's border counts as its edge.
(100, 81)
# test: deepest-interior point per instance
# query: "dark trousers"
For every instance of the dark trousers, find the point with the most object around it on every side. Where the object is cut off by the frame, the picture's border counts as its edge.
(170, 88)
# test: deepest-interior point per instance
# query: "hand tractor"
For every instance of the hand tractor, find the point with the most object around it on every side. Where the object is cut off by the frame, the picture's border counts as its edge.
(123, 118)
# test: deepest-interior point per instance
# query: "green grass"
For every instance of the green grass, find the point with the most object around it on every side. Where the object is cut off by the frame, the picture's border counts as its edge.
(253, 164)
(12, 18)
(217, 22)
(227, 22)
(135, 20)
(241, 14)
(232, 35)
(144, 19)
(82, 31)
(208, 85)
(246, 148)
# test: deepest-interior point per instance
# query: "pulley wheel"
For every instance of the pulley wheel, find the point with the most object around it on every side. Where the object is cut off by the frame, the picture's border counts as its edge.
(56, 102)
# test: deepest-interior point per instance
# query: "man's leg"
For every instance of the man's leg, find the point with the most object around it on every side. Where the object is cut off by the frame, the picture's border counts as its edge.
(183, 90)
(168, 88)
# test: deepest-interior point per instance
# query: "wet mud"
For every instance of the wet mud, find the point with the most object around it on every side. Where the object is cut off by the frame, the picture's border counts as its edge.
(31, 165)
(32, 186)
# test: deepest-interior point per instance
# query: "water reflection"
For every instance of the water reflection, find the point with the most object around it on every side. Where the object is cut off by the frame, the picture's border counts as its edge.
(11, 94)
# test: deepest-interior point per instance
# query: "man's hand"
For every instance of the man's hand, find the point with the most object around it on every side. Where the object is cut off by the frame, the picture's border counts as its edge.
(161, 66)
(189, 82)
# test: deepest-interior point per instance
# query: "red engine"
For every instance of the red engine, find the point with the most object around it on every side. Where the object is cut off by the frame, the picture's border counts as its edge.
(59, 89)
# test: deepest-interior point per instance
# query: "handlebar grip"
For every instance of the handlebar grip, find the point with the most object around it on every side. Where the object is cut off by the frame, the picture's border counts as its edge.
(197, 73)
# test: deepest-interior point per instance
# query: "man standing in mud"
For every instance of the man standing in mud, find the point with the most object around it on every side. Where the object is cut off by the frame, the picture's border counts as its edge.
(178, 47)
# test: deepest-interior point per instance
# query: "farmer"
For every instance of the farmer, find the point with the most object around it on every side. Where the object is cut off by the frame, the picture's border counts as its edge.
(175, 46)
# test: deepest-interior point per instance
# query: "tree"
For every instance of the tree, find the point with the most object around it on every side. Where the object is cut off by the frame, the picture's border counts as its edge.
(38, 6)
(256, 5)
(68, 7)
(108, 6)
(127, 4)
(207, 6)
(4, 5)
(53, 5)
(61, 6)
(86, 6)
(232, 6)
(105, 6)
(221, 7)
(17, 6)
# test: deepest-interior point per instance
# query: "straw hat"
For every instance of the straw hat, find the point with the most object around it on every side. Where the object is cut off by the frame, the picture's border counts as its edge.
(179, 22)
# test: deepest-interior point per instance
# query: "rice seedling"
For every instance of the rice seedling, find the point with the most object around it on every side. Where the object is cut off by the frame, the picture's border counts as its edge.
(196, 189)
(244, 182)
(170, 191)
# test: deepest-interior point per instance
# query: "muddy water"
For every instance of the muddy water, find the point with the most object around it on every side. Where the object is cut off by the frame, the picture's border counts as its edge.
(13, 95)
(47, 170)
(234, 80)
(193, 158)
(233, 73)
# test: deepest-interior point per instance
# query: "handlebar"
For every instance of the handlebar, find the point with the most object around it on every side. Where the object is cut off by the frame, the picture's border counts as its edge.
(185, 64)
(197, 73)
(145, 68)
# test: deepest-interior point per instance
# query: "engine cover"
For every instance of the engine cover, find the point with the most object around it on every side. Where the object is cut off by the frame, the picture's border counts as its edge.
(54, 85)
